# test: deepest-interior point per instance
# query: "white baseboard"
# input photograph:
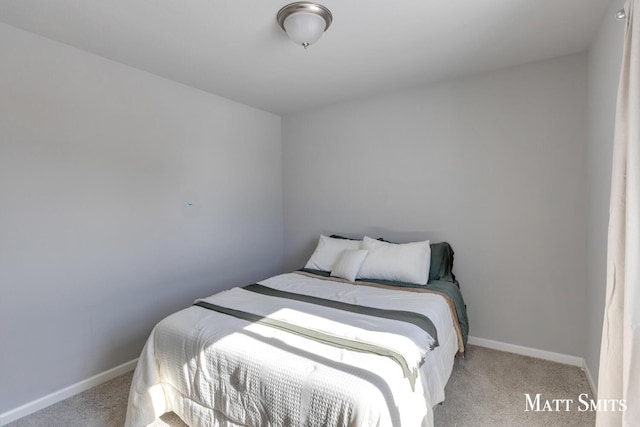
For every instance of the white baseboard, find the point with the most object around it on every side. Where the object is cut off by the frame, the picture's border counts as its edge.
(592, 383)
(57, 396)
(540, 354)
(528, 351)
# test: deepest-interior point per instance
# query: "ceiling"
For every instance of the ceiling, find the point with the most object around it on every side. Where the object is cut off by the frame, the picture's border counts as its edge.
(235, 49)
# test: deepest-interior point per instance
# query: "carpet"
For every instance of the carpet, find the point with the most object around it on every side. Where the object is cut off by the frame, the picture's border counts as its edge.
(487, 388)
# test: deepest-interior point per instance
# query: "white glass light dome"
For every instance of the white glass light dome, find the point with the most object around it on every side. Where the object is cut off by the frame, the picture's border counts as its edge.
(304, 28)
(304, 22)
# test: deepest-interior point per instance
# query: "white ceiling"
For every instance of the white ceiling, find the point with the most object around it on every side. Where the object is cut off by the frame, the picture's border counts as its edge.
(234, 48)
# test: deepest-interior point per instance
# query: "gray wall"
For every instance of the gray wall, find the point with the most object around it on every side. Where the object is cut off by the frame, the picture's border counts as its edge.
(97, 243)
(604, 68)
(98, 162)
(494, 164)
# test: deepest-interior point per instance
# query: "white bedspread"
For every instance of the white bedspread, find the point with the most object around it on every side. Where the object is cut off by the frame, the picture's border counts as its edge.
(217, 370)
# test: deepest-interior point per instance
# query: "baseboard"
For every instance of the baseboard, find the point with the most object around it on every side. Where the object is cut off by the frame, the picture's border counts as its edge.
(57, 396)
(592, 383)
(528, 351)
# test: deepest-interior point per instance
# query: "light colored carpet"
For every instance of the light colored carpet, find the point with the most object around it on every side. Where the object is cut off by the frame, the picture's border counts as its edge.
(486, 389)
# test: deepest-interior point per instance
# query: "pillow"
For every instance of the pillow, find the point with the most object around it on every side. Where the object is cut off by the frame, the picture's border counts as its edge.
(441, 267)
(328, 251)
(408, 262)
(349, 263)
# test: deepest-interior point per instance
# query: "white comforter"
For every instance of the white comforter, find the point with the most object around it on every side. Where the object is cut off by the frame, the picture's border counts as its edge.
(217, 370)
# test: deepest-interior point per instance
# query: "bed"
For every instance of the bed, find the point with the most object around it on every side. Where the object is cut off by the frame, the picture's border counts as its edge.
(305, 348)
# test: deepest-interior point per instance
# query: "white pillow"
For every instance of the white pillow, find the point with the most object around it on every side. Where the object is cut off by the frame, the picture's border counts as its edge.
(328, 251)
(408, 262)
(349, 263)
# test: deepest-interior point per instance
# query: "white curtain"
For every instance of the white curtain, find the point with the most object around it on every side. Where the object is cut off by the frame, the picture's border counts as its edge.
(619, 375)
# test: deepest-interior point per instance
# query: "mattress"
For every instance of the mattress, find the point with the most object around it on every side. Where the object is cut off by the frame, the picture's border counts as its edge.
(296, 361)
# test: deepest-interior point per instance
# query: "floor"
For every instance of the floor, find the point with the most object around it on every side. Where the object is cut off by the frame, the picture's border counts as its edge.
(486, 388)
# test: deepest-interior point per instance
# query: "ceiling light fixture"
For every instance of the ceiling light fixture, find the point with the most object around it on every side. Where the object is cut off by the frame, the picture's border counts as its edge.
(304, 22)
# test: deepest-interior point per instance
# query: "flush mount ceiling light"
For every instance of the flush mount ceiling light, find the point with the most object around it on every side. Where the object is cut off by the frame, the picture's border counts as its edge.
(304, 22)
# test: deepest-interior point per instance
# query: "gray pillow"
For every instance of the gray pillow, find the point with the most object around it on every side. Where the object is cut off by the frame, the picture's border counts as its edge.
(441, 262)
